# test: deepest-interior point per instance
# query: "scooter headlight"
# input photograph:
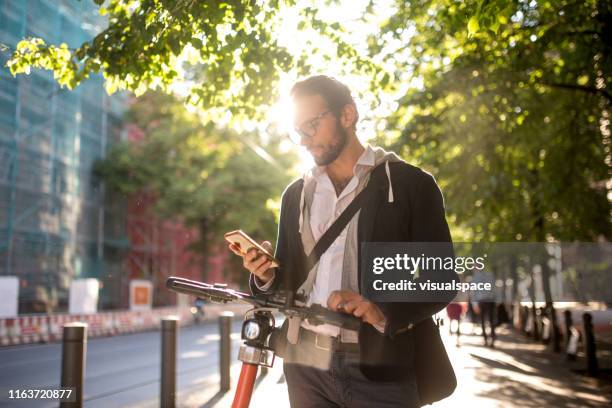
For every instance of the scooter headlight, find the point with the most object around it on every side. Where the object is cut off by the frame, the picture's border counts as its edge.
(251, 330)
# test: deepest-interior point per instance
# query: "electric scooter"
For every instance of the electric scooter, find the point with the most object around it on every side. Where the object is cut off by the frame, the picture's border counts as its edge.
(259, 331)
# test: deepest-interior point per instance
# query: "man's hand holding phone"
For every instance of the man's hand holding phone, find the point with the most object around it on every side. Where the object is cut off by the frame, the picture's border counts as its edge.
(257, 258)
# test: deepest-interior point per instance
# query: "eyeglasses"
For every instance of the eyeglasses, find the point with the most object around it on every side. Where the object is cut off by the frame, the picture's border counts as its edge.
(307, 129)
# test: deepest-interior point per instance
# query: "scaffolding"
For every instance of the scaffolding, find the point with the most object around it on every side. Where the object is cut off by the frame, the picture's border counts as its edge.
(56, 222)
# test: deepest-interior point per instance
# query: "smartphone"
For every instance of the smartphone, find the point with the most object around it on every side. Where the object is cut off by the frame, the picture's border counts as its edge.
(244, 242)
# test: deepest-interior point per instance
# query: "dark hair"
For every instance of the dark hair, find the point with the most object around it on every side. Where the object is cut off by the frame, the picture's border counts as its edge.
(336, 94)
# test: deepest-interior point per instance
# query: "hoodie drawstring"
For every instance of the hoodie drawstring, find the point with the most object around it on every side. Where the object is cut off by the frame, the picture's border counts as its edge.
(389, 178)
(301, 220)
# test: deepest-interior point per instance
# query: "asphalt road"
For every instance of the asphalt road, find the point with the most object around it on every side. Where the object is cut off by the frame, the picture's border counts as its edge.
(121, 371)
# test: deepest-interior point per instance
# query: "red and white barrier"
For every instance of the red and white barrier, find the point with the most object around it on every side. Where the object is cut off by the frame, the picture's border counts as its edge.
(48, 328)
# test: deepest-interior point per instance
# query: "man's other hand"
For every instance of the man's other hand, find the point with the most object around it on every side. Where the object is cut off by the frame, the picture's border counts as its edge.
(255, 261)
(352, 303)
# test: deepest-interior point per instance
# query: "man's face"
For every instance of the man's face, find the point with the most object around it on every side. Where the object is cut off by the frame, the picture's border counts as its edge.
(328, 137)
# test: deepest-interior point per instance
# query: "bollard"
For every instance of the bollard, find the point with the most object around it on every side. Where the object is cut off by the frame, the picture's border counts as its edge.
(567, 315)
(536, 323)
(589, 345)
(225, 349)
(555, 332)
(167, 396)
(74, 348)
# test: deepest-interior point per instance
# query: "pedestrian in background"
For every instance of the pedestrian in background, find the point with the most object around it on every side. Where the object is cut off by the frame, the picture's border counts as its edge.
(454, 311)
(486, 305)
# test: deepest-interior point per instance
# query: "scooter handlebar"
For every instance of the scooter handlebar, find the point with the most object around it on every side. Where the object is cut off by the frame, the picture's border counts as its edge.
(316, 314)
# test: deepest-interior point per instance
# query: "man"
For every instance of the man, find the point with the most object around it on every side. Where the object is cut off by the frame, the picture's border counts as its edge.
(331, 366)
(486, 305)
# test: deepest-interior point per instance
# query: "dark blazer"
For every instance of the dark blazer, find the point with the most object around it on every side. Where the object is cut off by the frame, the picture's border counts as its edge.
(416, 215)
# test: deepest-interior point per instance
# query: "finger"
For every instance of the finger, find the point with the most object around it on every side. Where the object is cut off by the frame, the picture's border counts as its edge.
(256, 263)
(261, 270)
(349, 295)
(262, 259)
(257, 256)
(333, 300)
(351, 306)
(250, 263)
(372, 315)
(263, 274)
(252, 254)
(235, 249)
(362, 310)
(267, 246)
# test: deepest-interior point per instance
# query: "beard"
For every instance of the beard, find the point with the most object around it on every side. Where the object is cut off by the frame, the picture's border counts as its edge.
(332, 150)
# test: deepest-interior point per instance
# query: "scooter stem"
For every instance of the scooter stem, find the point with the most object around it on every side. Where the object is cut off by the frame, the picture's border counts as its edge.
(246, 382)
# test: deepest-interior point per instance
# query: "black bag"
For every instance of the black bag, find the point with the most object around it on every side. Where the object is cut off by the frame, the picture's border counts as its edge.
(435, 376)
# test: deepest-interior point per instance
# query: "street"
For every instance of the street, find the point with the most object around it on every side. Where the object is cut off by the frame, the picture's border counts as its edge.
(121, 371)
(124, 371)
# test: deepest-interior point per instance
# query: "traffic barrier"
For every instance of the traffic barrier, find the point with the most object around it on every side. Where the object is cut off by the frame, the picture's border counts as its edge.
(6, 326)
(48, 328)
(14, 332)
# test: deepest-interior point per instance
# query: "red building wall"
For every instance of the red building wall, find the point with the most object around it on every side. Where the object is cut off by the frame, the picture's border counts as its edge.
(158, 249)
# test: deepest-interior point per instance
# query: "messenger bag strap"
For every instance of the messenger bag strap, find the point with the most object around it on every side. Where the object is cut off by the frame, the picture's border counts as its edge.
(338, 225)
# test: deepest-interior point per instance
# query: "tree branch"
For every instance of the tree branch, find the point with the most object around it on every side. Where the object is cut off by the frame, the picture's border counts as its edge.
(583, 88)
(581, 32)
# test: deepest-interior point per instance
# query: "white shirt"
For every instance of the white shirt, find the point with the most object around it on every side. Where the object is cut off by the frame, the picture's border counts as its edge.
(324, 210)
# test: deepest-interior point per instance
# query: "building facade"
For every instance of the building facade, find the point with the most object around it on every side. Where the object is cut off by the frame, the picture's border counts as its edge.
(52, 207)
(57, 221)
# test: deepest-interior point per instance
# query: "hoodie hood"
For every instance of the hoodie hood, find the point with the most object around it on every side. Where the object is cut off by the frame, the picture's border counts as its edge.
(381, 155)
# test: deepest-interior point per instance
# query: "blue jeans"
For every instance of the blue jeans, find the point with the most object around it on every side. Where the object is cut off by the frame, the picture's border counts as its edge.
(343, 385)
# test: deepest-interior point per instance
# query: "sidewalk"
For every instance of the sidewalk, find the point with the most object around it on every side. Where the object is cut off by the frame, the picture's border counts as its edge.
(517, 373)
(520, 373)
